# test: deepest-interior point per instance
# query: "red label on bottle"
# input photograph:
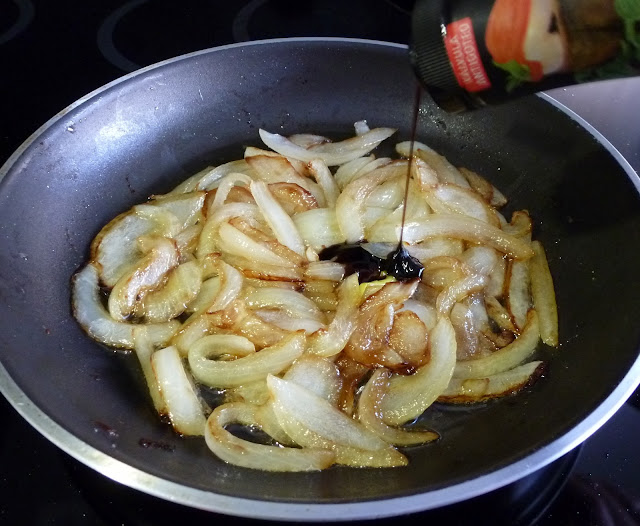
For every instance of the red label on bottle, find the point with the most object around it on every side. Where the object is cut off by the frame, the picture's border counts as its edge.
(464, 56)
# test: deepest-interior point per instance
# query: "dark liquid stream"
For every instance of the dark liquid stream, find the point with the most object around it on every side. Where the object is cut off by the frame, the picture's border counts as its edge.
(399, 263)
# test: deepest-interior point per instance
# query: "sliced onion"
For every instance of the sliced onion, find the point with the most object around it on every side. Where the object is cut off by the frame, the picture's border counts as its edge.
(467, 229)
(289, 323)
(282, 225)
(447, 173)
(388, 195)
(518, 301)
(321, 173)
(458, 291)
(184, 407)
(166, 223)
(293, 303)
(162, 256)
(505, 358)
(319, 416)
(344, 455)
(235, 242)
(257, 456)
(347, 171)
(230, 285)
(409, 396)
(187, 207)
(333, 153)
(544, 297)
(208, 237)
(325, 270)
(361, 127)
(318, 375)
(369, 413)
(181, 288)
(144, 350)
(466, 390)
(114, 248)
(499, 314)
(255, 366)
(330, 341)
(319, 228)
(427, 313)
(350, 203)
(480, 259)
(276, 169)
(226, 184)
(96, 321)
(307, 140)
(211, 179)
(451, 198)
(293, 198)
(206, 295)
(255, 393)
(490, 193)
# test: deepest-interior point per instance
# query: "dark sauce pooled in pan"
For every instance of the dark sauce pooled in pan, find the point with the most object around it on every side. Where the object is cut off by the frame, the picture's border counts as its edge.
(399, 263)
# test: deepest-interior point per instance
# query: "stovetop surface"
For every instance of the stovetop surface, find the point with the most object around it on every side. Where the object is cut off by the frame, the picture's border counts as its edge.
(52, 53)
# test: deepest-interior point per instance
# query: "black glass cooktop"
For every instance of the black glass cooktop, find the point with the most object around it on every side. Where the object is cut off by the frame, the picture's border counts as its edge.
(52, 53)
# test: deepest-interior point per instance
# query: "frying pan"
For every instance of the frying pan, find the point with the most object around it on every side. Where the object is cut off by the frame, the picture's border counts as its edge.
(147, 131)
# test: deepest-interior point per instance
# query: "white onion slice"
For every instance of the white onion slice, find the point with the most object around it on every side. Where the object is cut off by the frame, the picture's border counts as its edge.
(344, 455)
(255, 366)
(230, 285)
(319, 416)
(144, 350)
(184, 407)
(96, 321)
(321, 173)
(289, 323)
(544, 296)
(507, 357)
(282, 225)
(226, 184)
(293, 303)
(330, 341)
(351, 201)
(187, 208)
(347, 171)
(237, 243)
(409, 396)
(318, 375)
(466, 390)
(114, 248)
(334, 153)
(257, 456)
(447, 173)
(319, 228)
(211, 179)
(325, 270)
(458, 291)
(467, 229)
(181, 288)
(369, 414)
(128, 292)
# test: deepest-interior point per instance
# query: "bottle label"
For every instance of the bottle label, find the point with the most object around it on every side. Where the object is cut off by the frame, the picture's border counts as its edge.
(523, 42)
(461, 46)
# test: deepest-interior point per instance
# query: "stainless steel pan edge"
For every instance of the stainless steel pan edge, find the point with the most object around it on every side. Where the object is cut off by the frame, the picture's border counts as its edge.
(280, 510)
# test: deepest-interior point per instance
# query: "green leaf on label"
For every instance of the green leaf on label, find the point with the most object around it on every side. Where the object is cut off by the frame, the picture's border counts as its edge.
(628, 9)
(517, 73)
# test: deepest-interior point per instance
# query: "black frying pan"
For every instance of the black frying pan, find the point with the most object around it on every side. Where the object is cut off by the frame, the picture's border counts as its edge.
(147, 131)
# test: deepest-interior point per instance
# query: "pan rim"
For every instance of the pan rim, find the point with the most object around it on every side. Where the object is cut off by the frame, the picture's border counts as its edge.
(312, 512)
